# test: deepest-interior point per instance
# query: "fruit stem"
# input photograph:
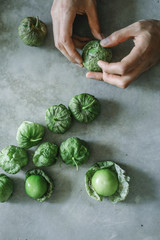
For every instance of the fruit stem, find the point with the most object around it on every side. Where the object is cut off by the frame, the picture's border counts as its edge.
(35, 140)
(37, 21)
(88, 105)
(75, 163)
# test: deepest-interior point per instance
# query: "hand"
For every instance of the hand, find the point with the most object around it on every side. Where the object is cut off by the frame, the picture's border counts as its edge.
(63, 13)
(145, 54)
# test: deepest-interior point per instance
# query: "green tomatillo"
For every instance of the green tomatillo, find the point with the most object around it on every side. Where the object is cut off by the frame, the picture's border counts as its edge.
(84, 107)
(38, 185)
(107, 179)
(92, 53)
(32, 31)
(105, 182)
(13, 158)
(29, 134)
(74, 151)
(58, 118)
(35, 186)
(6, 187)
(45, 155)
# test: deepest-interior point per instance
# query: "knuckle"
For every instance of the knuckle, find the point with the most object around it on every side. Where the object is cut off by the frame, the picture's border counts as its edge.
(139, 25)
(58, 45)
(53, 10)
(123, 85)
(72, 55)
(123, 69)
(71, 58)
(64, 40)
(104, 77)
(64, 6)
(114, 36)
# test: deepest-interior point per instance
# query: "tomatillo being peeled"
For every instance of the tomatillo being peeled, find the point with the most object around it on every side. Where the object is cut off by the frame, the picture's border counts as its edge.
(35, 186)
(105, 182)
(107, 179)
(92, 53)
(38, 185)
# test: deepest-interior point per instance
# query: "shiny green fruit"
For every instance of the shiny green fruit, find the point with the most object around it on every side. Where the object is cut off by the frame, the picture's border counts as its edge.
(36, 186)
(105, 182)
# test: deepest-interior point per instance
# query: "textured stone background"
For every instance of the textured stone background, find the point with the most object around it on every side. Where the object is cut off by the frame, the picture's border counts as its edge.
(127, 131)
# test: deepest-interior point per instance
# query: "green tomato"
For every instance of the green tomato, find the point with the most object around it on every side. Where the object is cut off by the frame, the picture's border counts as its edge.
(36, 186)
(105, 182)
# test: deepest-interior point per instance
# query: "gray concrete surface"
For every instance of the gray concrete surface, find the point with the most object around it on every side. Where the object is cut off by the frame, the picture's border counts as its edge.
(127, 131)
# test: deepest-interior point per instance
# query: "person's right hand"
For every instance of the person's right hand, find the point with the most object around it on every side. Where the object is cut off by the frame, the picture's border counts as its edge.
(145, 54)
(63, 13)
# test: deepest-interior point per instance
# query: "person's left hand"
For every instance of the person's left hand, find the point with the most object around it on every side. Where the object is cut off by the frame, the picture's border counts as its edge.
(145, 54)
(63, 14)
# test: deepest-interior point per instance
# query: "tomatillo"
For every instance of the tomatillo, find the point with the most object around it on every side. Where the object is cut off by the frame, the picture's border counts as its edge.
(105, 182)
(36, 186)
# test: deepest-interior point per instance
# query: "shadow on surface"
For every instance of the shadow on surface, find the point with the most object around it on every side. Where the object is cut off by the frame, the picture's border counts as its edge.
(19, 195)
(30, 164)
(149, 80)
(49, 41)
(62, 188)
(110, 111)
(141, 186)
(100, 152)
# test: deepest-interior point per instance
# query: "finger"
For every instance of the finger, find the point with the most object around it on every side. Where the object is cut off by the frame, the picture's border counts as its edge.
(94, 22)
(74, 56)
(124, 81)
(66, 36)
(82, 39)
(119, 81)
(127, 63)
(65, 53)
(78, 44)
(118, 37)
(56, 24)
(95, 75)
(58, 44)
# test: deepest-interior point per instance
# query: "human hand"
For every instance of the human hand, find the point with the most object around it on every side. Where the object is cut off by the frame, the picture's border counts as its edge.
(145, 53)
(63, 13)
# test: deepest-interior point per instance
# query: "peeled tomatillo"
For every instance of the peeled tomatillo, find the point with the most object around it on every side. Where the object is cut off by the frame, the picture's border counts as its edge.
(36, 186)
(105, 182)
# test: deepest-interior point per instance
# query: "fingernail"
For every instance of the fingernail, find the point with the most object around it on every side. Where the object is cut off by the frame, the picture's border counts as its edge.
(99, 63)
(105, 42)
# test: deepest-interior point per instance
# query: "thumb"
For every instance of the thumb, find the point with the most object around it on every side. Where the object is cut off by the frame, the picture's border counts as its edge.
(118, 37)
